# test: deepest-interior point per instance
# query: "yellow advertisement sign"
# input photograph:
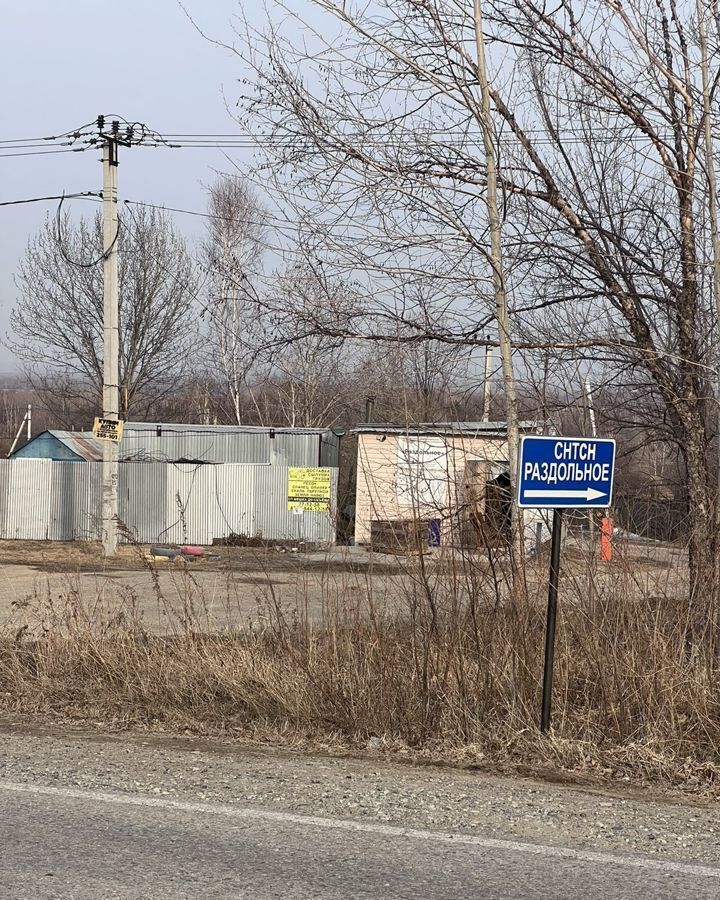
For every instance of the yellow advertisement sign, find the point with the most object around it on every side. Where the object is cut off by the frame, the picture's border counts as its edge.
(108, 430)
(309, 489)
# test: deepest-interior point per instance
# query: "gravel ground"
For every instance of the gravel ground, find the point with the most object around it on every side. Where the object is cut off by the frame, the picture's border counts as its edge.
(227, 594)
(220, 599)
(647, 823)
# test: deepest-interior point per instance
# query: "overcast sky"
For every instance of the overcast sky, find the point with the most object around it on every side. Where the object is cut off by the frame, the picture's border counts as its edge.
(62, 63)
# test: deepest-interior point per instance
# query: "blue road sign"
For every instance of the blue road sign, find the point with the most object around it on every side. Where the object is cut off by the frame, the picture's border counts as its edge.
(565, 472)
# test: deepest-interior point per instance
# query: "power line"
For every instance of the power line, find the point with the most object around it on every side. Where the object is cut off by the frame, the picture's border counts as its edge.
(23, 140)
(268, 141)
(357, 135)
(134, 133)
(42, 152)
(212, 139)
(40, 141)
(80, 195)
(195, 212)
(190, 140)
(74, 133)
(35, 146)
(187, 140)
(272, 221)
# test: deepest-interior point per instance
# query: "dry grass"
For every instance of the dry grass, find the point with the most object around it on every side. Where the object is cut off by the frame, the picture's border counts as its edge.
(455, 674)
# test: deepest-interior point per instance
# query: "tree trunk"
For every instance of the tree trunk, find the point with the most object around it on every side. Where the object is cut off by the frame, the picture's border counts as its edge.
(715, 246)
(702, 540)
(501, 311)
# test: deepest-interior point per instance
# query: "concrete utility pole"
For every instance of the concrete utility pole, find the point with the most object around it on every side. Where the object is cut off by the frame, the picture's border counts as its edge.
(111, 340)
(590, 407)
(498, 278)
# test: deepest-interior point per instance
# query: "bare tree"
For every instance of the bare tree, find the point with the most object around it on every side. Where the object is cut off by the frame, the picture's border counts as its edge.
(275, 366)
(57, 319)
(308, 370)
(375, 145)
(422, 380)
(232, 256)
(609, 178)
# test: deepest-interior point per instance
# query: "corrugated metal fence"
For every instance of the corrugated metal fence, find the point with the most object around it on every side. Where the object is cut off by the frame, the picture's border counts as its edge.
(44, 499)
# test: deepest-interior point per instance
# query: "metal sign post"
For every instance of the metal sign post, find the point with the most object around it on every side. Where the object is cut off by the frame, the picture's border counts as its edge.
(562, 473)
(551, 616)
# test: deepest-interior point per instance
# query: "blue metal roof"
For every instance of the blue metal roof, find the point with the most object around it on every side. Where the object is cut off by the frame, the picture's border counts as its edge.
(83, 443)
(75, 445)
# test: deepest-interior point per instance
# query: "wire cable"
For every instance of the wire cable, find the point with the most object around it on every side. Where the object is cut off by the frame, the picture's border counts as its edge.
(61, 246)
(275, 223)
(205, 215)
(80, 195)
(37, 140)
(43, 152)
(37, 146)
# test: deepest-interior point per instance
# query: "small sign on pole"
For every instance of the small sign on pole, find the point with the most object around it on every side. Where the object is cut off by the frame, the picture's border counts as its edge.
(562, 473)
(565, 473)
(108, 430)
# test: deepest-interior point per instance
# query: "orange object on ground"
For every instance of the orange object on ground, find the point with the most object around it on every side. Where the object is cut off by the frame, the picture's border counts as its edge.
(606, 550)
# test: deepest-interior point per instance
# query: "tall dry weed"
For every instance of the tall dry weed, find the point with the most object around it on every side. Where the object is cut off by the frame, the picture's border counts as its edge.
(453, 665)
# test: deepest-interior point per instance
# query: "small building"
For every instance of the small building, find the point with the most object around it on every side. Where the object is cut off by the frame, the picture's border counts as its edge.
(446, 483)
(176, 483)
(160, 442)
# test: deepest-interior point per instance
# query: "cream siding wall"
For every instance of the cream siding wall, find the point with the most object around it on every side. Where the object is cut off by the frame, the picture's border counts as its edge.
(377, 481)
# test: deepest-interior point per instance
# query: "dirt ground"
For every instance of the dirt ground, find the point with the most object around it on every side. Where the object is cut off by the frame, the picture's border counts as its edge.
(243, 584)
(213, 600)
(37, 580)
(87, 557)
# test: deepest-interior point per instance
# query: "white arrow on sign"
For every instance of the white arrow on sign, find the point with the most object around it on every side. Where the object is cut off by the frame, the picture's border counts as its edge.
(587, 494)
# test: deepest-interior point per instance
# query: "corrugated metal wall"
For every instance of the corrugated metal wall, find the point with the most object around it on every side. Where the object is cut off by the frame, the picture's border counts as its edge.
(295, 450)
(44, 499)
(273, 516)
(213, 446)
(142, 497)
(227, 444)
(74, 501)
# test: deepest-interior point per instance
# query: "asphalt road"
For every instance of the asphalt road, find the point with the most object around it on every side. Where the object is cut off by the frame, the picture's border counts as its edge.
(71, 844)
